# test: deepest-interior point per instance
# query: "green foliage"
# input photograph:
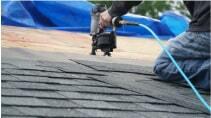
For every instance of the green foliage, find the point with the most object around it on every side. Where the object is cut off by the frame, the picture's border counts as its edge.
(182, 8)
(153, 8)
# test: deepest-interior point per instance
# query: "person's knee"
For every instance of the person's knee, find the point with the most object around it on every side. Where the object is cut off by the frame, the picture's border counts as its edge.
(198, 71)
(162, 68)
(159, 66)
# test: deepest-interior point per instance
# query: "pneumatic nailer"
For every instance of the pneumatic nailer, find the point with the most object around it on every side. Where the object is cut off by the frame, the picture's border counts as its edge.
(105, 41)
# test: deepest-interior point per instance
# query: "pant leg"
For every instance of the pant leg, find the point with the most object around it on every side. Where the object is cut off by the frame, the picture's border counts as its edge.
(191, 50)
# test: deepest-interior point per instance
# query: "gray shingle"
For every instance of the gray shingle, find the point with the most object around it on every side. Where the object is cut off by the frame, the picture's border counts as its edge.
(38, 73)
(107, 97)
(143, 99)
(51, 112)
(28, 85)
(92, 89)
(167, 108)
(59, 103)
(106, 90)
(8, 78)
(118, 67)
(31, 93)
(33, 79)
(128, 106)
(30, 64)
(111, 113)
(21, 72)
(93, 83)
(89, 96)
(170, 87)
(94, 104)
(22, 101)
(7, 65)
(18, 117)
(30, 111)
(66, 81)
(172, 115)
(7, 85)
(65, 87)
(12, 92)
(47, 80)
(69, 67)
(8, 110)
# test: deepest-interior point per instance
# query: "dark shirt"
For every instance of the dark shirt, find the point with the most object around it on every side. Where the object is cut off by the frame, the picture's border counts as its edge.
(199, 10)
(200, 15)
(120, 8)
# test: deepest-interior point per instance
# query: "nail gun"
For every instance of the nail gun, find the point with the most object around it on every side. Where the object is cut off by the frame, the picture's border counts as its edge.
(105, 41)
(101, 39)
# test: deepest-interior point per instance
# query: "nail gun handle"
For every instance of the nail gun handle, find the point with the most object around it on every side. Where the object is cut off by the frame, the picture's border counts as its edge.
(118, 21)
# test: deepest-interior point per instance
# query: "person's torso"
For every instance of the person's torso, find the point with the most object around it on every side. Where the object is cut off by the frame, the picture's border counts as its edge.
(200, 15)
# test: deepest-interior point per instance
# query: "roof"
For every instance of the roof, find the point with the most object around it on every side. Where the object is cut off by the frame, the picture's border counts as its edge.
(38, 84)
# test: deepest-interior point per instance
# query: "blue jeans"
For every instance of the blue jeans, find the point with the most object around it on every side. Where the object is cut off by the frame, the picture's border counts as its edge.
(191, 50)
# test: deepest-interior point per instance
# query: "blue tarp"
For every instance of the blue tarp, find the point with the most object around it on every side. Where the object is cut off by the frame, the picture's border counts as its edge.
(75, 16)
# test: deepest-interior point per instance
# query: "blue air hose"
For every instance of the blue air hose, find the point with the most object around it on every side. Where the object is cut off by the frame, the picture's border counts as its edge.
(177, 66)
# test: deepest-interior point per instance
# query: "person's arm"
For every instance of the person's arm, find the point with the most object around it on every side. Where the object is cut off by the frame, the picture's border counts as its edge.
(120, 8)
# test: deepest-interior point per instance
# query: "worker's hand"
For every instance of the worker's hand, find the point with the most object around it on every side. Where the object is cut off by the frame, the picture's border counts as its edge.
(105, 19)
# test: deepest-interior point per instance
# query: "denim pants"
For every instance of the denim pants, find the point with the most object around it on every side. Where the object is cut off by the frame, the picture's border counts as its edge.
(191, 50)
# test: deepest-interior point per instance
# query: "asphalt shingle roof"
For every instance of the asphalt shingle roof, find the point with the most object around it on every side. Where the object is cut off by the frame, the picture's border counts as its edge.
(38, 89)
